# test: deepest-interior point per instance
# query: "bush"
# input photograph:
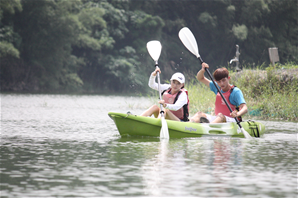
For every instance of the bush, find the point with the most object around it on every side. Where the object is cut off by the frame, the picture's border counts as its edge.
(270, 93)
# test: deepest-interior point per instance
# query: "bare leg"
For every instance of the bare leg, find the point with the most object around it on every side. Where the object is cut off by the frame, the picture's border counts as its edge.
(170, 116)
(197, 116)
(154, 109)
(220, 118)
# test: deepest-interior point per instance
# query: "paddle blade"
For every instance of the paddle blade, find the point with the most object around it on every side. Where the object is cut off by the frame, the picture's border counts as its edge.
(246, 134)
(154, 49)
(164, 131)
(189, 41)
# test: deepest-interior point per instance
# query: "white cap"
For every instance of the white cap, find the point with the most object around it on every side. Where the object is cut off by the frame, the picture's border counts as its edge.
(179, 77)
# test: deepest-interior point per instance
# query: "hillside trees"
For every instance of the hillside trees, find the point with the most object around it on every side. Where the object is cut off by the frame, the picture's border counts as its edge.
(74, 45)
(219, 25)
(46, 32)
(100, 46)
(116, 63)
(8, 38)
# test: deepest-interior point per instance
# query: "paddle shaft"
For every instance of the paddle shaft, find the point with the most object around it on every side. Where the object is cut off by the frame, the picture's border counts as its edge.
(158, 80)
(209, 74)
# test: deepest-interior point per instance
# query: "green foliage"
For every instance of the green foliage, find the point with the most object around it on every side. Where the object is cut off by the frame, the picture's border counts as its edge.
(273, 92)
(95, 46)
(87, 42)
(207, 19)
(8, 38)
(116, 20)
(9, 6)
(92, 16)
(240, 32)
(7, 49)
(111, 62)
(122, 70)
(47, 32)
(144, 27)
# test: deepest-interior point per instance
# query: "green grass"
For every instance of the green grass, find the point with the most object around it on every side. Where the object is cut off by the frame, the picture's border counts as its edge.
(200, 97)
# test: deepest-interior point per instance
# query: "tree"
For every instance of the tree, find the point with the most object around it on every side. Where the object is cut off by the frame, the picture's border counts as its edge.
(8, 38)
(47, 31)
(283, 23)
(100, 45)
(117, 64)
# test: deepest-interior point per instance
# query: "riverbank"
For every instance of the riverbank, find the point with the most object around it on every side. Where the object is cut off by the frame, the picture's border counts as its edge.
(270, 93)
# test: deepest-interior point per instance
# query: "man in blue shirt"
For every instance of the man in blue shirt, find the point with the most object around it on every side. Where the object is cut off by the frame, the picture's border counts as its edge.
(232, 94)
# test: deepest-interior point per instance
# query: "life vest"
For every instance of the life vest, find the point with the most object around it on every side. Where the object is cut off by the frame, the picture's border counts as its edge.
(181, 113)
(220, 105)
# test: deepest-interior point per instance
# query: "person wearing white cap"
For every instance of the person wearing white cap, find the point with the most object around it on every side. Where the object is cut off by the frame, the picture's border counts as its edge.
(174, 98)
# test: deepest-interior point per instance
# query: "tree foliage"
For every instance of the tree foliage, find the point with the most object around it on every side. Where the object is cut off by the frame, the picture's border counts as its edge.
(100, 45)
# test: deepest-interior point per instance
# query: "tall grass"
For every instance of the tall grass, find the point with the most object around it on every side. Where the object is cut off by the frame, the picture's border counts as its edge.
(270, 93)
(200, 97)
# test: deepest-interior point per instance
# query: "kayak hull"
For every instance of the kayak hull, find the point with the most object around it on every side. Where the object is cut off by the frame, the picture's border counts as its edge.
(135, 125)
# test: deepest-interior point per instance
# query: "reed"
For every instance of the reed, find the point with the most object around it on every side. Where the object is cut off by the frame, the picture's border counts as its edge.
(200, 97)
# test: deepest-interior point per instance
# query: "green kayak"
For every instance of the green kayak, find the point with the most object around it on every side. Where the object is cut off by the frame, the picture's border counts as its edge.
(134, 125)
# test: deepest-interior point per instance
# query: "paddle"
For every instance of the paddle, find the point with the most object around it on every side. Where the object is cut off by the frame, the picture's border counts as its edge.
(154, 49)
(189, 41)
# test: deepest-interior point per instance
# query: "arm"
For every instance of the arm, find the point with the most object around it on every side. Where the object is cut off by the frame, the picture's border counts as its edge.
(238, 100)
(200, 75)
(243, 110)
(182, 100)
(153, 85)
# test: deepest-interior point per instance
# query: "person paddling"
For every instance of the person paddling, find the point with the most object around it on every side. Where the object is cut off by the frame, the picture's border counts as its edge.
(174, 98)
(232, 94)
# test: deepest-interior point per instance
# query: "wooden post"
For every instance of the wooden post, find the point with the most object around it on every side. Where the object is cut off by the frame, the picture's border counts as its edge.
(273, 55)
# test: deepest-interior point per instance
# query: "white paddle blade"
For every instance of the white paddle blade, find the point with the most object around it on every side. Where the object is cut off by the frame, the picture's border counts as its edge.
(154, 49)
(164, 131)
(189, 41)
(246, 134)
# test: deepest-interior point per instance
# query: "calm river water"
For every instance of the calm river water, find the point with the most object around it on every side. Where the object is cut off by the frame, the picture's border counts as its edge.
(66, 145)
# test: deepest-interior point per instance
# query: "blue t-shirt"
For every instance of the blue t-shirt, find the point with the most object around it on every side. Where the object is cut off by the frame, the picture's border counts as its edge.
(236, 97)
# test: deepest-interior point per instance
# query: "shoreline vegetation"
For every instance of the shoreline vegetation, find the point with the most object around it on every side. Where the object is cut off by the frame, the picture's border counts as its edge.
(270, 94)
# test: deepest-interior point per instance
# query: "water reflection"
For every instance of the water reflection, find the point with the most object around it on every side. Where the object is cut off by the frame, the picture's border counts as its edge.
(184, 164)
(147, 167)
(152, 170)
